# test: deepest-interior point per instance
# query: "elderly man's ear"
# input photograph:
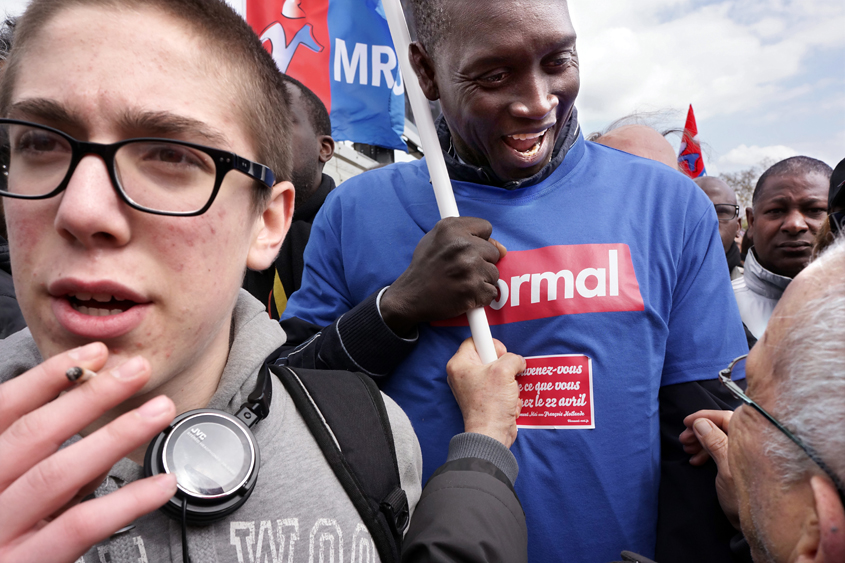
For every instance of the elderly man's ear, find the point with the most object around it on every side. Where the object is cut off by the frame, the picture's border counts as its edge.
(270, 227)
(823, 534)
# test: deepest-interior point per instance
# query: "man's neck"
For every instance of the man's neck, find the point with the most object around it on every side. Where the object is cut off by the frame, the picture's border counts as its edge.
(302, 196)
(190, 389)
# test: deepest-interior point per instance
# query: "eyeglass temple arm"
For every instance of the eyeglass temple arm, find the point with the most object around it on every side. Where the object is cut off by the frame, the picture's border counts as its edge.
(837, 482)
(725, 376)
(254, 170)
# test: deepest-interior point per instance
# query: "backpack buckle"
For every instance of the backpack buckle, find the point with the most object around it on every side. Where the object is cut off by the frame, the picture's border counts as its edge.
(395, 508)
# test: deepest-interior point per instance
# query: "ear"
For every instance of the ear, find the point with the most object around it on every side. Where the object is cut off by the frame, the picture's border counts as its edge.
(424, 68)
(271, 227)
(749, 218)
(831, 521)
(326, 148)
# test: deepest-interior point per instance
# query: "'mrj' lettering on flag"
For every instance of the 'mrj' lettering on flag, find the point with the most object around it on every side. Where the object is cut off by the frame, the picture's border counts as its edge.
(343, 52)
(690, 159)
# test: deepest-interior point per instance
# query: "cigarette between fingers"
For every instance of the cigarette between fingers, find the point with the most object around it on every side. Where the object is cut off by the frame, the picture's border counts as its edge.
(79, 375)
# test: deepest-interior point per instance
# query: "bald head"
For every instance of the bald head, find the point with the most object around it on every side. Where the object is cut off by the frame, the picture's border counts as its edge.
(641, 140)
(717, 190)
(721, 194)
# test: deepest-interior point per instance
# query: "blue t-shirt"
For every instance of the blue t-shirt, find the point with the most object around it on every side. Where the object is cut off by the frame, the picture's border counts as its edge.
(640, 295)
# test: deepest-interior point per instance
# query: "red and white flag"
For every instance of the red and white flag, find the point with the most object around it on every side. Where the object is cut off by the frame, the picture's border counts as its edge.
(690, 159)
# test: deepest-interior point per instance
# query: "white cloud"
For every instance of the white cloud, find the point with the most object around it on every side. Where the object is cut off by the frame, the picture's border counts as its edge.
(745, 157)
(724, 58)
(13, 7)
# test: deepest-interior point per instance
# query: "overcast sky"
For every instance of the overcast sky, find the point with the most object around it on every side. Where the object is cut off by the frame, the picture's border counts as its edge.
(766, 77)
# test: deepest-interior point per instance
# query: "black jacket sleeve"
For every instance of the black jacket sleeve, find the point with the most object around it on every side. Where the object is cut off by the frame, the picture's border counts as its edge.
(691, 526)
(359, 340)
(469, 512)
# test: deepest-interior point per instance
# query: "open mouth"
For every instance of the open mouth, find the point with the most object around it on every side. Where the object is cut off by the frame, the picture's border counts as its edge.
(527, 145)
(99, 305)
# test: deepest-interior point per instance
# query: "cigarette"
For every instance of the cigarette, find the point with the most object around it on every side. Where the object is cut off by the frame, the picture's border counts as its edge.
(80, 375)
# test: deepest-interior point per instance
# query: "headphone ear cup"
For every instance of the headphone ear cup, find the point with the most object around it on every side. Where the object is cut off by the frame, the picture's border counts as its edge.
(215, 458)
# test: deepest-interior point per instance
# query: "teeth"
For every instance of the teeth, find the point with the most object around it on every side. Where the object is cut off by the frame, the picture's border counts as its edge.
(527, 136)
(100, 297)
(532, 151)
(95, 311)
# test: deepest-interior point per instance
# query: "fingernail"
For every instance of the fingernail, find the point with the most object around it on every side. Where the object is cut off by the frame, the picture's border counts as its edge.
(87, 352)
(131, 369)
(702, 427)
(154, 407)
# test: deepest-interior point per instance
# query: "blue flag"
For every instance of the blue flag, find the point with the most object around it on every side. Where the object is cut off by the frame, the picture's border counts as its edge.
(343, 52)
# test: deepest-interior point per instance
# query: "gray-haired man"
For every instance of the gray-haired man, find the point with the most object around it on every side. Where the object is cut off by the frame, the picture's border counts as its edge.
(788, 498)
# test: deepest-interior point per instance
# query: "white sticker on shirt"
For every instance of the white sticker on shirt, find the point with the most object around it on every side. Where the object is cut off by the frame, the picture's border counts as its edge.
(556, 392)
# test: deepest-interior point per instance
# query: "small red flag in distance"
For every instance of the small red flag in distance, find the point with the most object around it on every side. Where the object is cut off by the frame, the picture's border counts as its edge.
(690, 159)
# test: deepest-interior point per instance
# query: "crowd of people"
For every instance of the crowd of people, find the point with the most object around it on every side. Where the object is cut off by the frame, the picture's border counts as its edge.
(209, 352)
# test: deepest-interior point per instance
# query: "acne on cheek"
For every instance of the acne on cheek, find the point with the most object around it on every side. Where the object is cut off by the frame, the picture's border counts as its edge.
(193, 234)
(21, 229)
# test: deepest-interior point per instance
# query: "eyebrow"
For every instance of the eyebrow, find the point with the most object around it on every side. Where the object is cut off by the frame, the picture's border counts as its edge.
(784, 200)
(566, 44)
(142, 123)
(42, 108)
(166, 124)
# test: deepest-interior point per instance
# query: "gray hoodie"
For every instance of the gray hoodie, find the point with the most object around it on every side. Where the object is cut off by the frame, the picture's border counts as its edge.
(298, 511)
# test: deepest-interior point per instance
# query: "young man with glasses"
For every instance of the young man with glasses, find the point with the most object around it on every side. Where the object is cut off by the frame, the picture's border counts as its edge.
(727, 211)
(781, 456)
(144, 152)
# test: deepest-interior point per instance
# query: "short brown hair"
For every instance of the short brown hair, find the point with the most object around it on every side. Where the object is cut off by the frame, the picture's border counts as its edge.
(263, 100)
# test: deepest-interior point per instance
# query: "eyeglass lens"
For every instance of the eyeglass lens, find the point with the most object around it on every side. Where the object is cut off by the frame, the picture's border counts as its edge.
(726, 212)
(156, 175)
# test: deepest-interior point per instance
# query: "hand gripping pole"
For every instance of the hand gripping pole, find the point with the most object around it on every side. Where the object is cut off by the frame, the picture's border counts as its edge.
(434, 158)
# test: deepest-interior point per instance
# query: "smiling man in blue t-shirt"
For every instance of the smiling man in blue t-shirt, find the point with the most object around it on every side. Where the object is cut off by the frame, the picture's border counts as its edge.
(612, 285)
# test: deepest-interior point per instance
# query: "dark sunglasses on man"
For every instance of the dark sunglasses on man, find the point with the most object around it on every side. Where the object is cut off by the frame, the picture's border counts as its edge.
(726, 211)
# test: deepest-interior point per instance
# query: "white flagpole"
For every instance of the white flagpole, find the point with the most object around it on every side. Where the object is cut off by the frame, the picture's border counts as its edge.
(434, 158)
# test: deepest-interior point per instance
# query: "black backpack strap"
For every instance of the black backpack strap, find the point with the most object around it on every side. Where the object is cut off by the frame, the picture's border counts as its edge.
(345, 413)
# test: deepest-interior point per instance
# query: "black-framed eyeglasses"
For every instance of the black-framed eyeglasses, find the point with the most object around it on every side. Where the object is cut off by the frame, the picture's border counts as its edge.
(737, 369)
(160, 176)
(726, 211)
(837, 222)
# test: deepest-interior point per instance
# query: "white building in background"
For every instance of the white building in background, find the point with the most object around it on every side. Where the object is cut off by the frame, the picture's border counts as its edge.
(348, 161)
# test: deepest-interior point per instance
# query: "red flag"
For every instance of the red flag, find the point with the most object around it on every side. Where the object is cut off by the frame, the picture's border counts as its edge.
(690, 159)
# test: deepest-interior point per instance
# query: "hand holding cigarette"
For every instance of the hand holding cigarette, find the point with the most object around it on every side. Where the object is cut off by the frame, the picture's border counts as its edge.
(46, 523)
